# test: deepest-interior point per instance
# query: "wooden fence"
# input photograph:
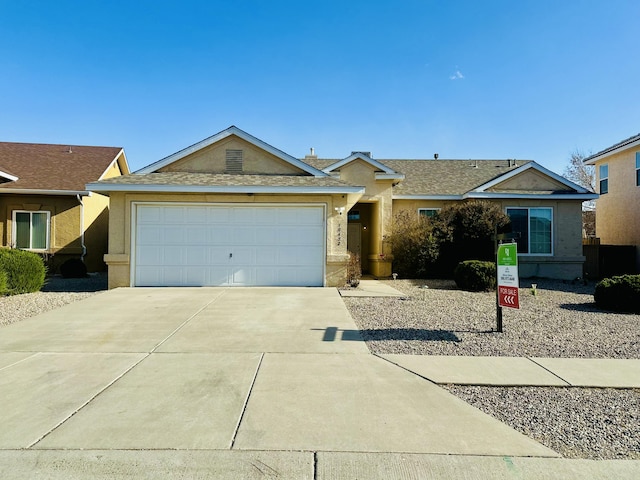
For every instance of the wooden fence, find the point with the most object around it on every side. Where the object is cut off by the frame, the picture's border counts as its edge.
(608, 260)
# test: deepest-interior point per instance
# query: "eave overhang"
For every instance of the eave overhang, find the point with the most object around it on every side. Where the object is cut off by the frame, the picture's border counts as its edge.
(242, 189)
(31, 191)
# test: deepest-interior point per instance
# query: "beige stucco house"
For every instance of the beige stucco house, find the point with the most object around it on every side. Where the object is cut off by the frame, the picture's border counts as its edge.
(44, 206)
(618, 183)
(234, 210)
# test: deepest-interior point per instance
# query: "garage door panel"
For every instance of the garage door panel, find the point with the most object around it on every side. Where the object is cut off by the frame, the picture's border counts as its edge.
(173, 235)
(244, 235)
(267, 235)
(218, 255)
(150, 235)
(218, 215)
(220, 235)
(235, 245)
(174, 215)
(197, 234)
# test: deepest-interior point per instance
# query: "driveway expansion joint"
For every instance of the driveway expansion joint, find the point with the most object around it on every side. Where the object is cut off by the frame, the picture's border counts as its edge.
(246, 401)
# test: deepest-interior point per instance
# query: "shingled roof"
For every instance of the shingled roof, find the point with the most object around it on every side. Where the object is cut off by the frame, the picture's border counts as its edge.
(635, 139)
(440, 177)
(219, 182)
(48, 167)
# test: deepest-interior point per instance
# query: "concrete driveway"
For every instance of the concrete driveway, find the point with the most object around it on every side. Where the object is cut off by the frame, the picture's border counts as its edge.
(237, 383)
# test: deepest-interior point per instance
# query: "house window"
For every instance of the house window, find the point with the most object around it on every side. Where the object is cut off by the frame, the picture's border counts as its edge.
(31, 230)
(604, 179)
(428, 212)
(535, 226)
(353, 215)
(638, 169)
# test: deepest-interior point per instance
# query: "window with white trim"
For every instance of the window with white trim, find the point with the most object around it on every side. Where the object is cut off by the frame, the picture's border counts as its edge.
(604, 178)
(31, 230)
(535, 228)
(638, 169)
(428, 212)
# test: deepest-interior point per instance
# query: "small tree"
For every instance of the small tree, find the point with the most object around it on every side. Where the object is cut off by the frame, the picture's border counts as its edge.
(414, 244)
(585, 176)
(467, 233)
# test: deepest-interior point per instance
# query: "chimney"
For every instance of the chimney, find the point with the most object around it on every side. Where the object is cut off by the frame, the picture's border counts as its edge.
(312, 155)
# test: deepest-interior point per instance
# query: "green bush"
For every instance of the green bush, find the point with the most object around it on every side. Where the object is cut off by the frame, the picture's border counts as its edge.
(25, 271)
(620, 294)
(475, 276)
(3, 282)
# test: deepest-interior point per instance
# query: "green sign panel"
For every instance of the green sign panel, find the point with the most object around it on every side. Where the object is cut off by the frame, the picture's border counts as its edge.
(508, 255)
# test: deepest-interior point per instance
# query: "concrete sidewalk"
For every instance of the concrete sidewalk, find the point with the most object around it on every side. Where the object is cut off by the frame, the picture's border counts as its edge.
(239, 383)
(520, 371)
(370, 287)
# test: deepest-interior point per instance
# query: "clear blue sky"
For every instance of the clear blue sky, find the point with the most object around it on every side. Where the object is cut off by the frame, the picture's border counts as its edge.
(403, 79)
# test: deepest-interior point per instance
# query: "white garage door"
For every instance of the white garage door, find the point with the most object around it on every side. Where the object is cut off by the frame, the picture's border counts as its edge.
(183, 245)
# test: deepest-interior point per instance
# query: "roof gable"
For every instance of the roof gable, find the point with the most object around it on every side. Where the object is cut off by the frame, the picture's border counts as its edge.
(531, 178)
(363, 157)
(202, 157)
(50, 168)
(233, 155)
(631, 142)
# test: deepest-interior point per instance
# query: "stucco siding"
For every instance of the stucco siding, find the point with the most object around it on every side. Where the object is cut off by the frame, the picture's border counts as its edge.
(118, 258)
(212, 159)
(566, 260)
(618, 211)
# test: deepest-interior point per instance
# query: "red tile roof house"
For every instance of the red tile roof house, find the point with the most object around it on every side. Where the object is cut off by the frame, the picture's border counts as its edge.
(234, 210)
(45, 207)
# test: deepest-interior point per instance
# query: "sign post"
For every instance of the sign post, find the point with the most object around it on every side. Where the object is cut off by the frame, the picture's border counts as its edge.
(507, 294)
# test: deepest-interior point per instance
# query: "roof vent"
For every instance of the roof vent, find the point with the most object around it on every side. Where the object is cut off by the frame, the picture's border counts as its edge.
(233, 162)
(435, 156)
(368, 154)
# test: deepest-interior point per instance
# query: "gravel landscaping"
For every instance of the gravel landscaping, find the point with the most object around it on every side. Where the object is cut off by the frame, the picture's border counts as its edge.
(56, 292)
(559, 321)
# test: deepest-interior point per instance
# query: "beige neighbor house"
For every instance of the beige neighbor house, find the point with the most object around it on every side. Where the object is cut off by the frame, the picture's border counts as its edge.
(233, 210)
(618, 182)
(44, 206)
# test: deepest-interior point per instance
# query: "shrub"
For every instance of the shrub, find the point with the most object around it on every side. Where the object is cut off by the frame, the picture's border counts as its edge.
(620, 294)
(414, 244)
(476, 276)
(25, 271)
(466, 231)
(73, 268)
(3, 282)
(354, 271)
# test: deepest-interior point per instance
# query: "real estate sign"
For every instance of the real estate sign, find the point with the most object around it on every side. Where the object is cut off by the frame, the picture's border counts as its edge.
(508, 282)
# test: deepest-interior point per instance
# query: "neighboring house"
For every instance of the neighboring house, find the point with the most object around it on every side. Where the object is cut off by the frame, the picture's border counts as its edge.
(44, 206)
(618, 182)
(233, 210)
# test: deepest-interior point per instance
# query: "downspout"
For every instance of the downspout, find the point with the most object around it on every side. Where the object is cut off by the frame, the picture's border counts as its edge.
(84, 247)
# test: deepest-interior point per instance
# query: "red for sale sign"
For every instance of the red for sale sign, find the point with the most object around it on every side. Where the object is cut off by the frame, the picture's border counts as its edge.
(508, 297)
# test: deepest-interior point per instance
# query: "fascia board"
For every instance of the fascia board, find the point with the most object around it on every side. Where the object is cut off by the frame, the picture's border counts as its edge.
(221, 136)
(123, 163)
(8, 176)
(533, 196)
(528, 166)
(220, 189)
(30, 191)
(364, 158)
(426, 197)
(389, 176)
(607, 153)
